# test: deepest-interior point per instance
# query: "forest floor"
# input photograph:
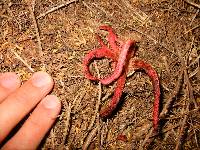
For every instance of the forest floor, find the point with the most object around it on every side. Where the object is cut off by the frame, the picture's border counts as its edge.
(54, 36)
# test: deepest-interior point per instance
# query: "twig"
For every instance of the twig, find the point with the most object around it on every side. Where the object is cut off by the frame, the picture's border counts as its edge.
(56, 8)
(192, 3)
(140, 130)
(168, 129)
(98, 105)
(175, 92)
(182, 129)
(90, 138)
(196, 60)
(186, 77)
(185, 113)
(190, 98)
(192, 29)
(79, 95)
(71, 76)
(130, 74)
(195, 136)
(194, 17)
(52, 139)
(23, 61)
(84, 3)
(164, 58)
(99, 100)
(67, 122)
(96, 115)
(146, 140)
(194, 72)
(103, 10)
(104, 135)
(32, 8)
(108, 94)
(77, 101)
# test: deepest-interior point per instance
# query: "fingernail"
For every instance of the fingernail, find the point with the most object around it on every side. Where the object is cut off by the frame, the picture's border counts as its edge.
(51, 101)
(41, 79)
(9, 80)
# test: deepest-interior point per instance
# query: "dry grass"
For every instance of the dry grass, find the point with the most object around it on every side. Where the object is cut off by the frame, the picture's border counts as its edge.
(168, 35)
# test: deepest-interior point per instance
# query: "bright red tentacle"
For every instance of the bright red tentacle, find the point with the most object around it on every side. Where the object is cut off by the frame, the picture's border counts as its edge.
(120, 64)
(108, 109)
(96, 53)
(139, 64)
(112, 38)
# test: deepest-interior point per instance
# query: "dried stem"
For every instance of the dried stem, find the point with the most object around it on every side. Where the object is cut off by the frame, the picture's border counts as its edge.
(196, 60)
(23, 61)
(32, 8)
(190, 96)
(186, 78)
(182, 129)
(98, 105)
(173, 95)
(56, 8)
(192, 3)
(147, 139)
(67, 122)
(90, 138)
(77, 101)
(195, 27)
(98, 102)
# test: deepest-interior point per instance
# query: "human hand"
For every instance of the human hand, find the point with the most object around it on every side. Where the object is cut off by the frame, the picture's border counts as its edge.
(17, 100)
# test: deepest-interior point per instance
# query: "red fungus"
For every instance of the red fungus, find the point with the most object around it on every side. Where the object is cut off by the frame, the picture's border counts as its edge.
(120, 55)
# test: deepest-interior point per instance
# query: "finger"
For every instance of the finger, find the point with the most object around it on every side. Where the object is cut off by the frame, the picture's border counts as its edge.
(9, 82)
(37, 125)
(18, 104)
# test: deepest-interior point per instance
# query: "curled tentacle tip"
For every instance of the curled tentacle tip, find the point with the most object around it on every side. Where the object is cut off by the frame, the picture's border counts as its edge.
(105, 112)
(105, 27)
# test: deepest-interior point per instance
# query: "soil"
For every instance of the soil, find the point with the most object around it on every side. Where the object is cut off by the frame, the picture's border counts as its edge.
(168, 37)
